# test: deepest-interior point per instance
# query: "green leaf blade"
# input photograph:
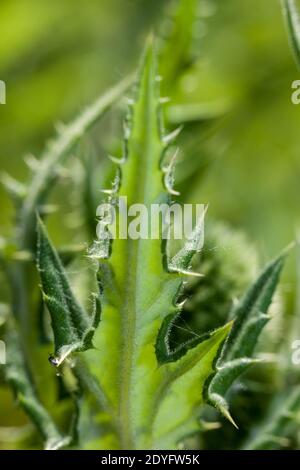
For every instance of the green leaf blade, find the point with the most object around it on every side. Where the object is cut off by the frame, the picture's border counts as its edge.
(72, 327)
(250, 317)
(253, 306)
(183, 382)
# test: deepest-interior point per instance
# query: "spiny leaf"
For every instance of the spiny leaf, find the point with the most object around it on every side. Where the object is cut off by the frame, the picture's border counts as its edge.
(255, 303)
(180, 263)
(292, 16)
(223, 380)
(179, 395)
(73, 328)
(138, 291)
(101, 248)
(249, 319)
(164, 353)
(19, 377)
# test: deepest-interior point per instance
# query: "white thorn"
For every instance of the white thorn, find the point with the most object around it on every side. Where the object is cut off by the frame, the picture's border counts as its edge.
(168, 174)
(117, 160)
(172, 191)
(186, 272)
(167, 168)
(107, 191)
(172, 136)
(181, 304)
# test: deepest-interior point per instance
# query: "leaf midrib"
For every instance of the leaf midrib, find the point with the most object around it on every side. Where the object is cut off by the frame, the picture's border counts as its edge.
(129, 309)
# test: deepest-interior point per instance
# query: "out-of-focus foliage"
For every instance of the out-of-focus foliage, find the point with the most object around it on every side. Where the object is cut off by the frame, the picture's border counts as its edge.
(61, 56)
(293, 24)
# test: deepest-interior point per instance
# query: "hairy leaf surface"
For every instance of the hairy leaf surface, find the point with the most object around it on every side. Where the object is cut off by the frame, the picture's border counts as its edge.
(250, 316)
(72, 327)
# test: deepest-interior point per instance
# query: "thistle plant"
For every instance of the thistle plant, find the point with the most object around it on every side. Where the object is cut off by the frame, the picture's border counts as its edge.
(119, 376)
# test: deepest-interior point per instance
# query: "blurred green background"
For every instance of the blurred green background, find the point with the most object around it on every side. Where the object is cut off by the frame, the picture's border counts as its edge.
(57, 56)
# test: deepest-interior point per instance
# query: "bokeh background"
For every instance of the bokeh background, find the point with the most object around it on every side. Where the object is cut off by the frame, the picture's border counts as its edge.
(58, 56)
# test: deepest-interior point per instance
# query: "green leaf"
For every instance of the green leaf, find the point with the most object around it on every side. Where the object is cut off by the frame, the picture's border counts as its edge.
(180, 393)
(292, 16)
(137, 291)
(73, 328)
(19, 377)
(164, 353)
(140, 294)
(250, 316)
(181, 261)
(252, 307)
(220, 383)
